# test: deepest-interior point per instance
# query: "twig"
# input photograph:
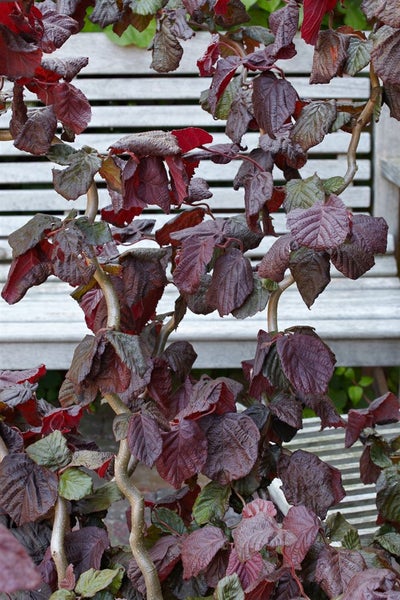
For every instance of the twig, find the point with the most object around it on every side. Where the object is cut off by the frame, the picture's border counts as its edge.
(362, 121)
(272, 311)
(92, 204)
(110, 295)
(5, 135)
(60, 526)
(136, 501)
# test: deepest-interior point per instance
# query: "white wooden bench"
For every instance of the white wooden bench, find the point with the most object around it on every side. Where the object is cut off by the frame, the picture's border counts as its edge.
(360, 320)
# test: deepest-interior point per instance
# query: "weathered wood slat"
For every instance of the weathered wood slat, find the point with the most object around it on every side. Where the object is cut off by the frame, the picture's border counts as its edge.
(47, 200)
(41, 172)
(359, 504)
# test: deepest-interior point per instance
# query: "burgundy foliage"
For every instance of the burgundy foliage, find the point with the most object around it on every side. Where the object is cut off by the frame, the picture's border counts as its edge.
(216, 531)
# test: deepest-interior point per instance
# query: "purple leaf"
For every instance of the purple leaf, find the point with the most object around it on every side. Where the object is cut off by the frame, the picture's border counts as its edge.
(283, 24)
(364, 584)
(305, 526)
(319, 492)
(232, 281)
(248, 571)
(17, 570)
(232, 446)
(330, 56)
(199, 549)
(385, 55)
(323, 406)
(311, 271)
(254, 533)
(258, 190)
(274, 101)
(336, 567)
(27, 490)
(225, 70)
(85, 548)
(323, 226)
(382, 11)
(184, 452)
(307, 362)
(165, 554)
(275, 262)
(208, 396)
(144, 438)
(385, 409)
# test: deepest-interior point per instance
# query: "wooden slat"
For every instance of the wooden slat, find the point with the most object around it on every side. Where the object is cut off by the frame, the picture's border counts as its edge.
(359, 504)
(41, 172)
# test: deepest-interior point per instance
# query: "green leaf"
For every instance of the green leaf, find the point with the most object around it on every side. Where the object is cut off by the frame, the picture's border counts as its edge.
(255, 302)
(211, 503)
(101, 499)
(333, 184)
(229, 588)
(303, 193)
(168, 521)
(93, 581)
(60, 154)
(62, 595)
(340, 530)
(225, 102)
(97, 233)
(358, 55)
(355, 393)
(378, 454)
(390, 542)
(74, 484)
(146, 7)
(75, 180)
(51, 451)
(132, 37)
(351, 540)
(366, 381)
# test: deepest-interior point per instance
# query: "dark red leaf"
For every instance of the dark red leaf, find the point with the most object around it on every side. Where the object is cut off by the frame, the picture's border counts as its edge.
(305, 526)
(31, 375)
(319, 492)
(207, 61)
(369, 471)
(179, 179)
(144, 438)
(208, 396)
(274, 263)
(385, 55)
(330, 56)
(283, 24)
(225, 70)
(18, 58)
(62, 419)
(85, 547)
(165, 554)
(232, 446)
(274, 101)
(382, 11)
(385, 409)
(184, 452)
(17, 570)
(248, 571)
(184, 220)
(323, 406)
(191, 137)
(232, 281)
(255, 533)
(70, 105)
(311, 271)
(335, 569)
(307, 362)
(199, 549)
(29, 269)
(323, 226)
(27, 490)
(314, 11)
(57, 28)
(372, 580)
(38, 131)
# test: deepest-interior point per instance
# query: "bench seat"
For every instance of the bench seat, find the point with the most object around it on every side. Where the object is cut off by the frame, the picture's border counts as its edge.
(360, 319)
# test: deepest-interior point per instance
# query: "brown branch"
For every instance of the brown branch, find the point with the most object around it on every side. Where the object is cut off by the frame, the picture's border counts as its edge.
(110, 296)
(92, 204)
(60, 526)
(362, 121)
(136, 501)
(3, 449)
(272, 311)
(5, 135)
